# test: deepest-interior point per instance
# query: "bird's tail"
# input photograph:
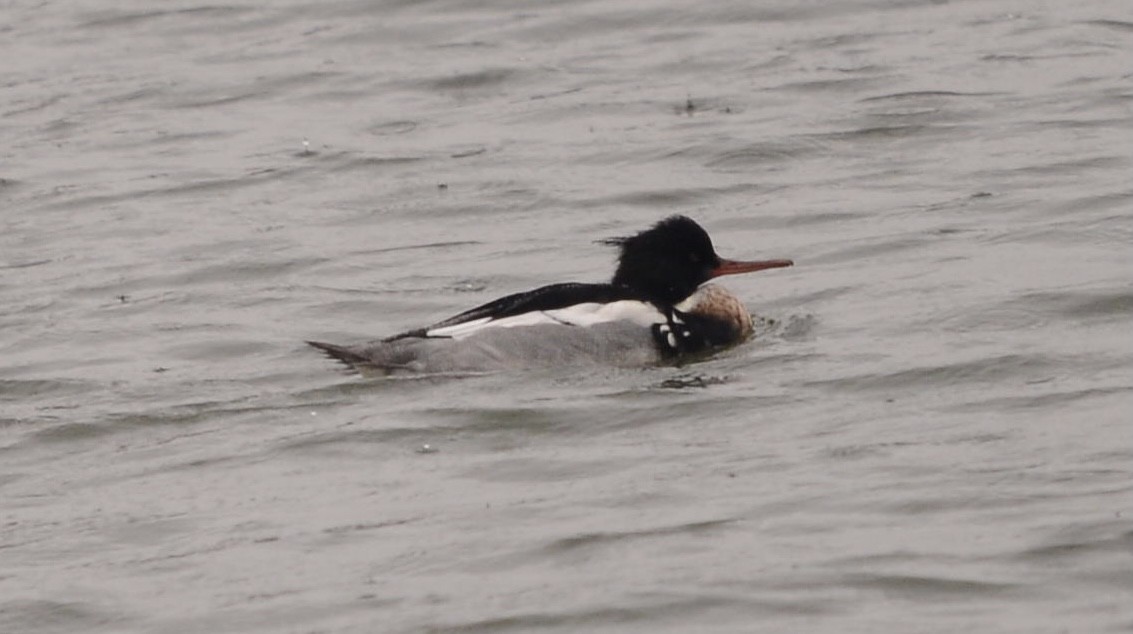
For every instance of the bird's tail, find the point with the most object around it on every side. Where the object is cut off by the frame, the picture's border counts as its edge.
(340, 353)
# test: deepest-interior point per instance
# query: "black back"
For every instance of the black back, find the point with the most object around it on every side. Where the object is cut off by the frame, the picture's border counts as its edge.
(544, 298)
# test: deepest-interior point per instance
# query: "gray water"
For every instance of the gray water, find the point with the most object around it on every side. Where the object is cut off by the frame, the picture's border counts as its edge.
(932, 436)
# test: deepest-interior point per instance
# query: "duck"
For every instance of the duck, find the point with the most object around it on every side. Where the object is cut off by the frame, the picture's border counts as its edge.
(660, 307)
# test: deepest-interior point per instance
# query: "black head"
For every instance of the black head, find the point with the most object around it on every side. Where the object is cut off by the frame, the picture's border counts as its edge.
(668, 261)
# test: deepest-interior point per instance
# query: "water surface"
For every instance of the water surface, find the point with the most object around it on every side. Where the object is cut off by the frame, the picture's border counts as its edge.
(933, 435)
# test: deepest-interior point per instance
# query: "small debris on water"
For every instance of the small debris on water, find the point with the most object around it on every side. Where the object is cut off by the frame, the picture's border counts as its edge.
(427, 449)
(306, 151)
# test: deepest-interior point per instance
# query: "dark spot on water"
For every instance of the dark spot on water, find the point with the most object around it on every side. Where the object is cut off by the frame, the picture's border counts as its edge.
(24, 265)
(393, 127)
(472, 152)
(1117, 25)
(556, 94)
(429, 245)
(686, 382)
(472, 81)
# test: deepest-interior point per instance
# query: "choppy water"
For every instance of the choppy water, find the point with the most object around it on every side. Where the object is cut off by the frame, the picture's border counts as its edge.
(935, 437)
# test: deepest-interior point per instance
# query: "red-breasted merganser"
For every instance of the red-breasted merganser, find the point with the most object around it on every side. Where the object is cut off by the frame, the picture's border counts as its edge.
(656, 309)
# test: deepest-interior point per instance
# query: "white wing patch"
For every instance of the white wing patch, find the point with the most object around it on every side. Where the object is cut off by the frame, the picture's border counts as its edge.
(641, 313)
(588, 314)
(459, 330)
